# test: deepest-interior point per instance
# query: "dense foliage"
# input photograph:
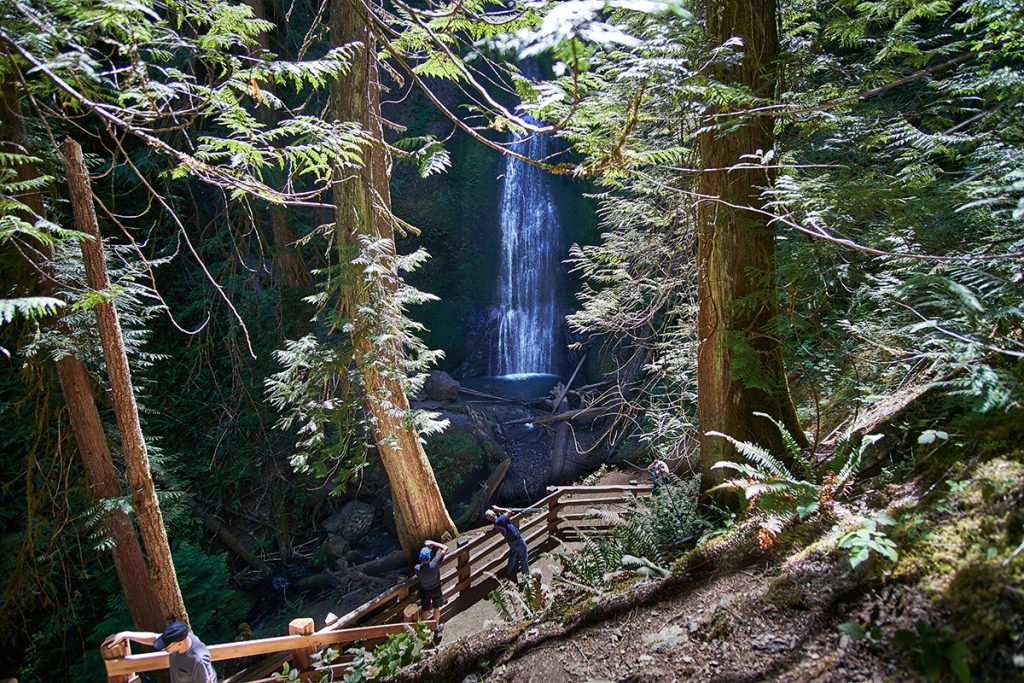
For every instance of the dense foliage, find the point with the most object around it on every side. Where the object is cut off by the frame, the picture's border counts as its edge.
(896, 191)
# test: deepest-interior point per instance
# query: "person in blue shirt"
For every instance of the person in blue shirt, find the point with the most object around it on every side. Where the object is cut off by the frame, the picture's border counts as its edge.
(517, 555)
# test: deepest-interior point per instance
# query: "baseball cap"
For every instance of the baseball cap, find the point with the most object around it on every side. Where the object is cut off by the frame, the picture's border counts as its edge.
(174, 633)
(424, 554)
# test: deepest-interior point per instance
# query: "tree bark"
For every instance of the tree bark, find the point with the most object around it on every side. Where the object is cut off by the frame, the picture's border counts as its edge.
(147, 510)
(363, 211)
(102, 476)
(129, 563)
(289, 268)
(739, 364)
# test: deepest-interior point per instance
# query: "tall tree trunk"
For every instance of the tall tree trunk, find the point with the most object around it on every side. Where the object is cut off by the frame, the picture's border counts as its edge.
(363, 210)
(289, 267)
(739, 364)
(90, 438)
(99, 470)
(151, 523)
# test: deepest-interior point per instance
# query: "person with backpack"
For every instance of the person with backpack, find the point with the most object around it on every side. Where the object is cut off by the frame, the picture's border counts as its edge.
(518, 560)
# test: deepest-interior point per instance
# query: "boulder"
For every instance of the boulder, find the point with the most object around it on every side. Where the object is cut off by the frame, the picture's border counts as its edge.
(337, 546)
(353, 521)
(439, 386)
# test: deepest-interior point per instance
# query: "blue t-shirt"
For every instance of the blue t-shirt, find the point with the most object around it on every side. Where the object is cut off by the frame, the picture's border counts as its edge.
(508, 529)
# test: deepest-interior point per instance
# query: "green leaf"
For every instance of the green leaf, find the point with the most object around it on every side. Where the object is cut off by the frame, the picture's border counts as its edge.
(958, 655)
(853, 629)
(930, 435)
(30, 307)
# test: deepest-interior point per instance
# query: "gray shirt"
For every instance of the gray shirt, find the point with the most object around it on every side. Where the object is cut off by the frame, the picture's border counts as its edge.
(193, 665)
(429, 573)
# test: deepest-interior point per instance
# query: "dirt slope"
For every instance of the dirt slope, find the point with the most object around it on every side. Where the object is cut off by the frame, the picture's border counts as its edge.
(735, 613)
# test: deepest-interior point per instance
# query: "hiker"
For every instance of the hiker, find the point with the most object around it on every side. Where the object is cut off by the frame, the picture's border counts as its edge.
(189, 660)
(517, 556)
(428, 573)
(658, 471)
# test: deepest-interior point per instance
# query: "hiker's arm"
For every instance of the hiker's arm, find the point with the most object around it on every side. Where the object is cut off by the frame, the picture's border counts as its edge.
(501, 510)
(434, 544)
(141, 637)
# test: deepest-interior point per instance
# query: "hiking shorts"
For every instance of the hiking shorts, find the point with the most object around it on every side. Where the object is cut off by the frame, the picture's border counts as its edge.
(431, 598)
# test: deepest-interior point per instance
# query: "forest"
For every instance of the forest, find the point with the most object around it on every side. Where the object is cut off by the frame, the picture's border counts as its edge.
(720, 302)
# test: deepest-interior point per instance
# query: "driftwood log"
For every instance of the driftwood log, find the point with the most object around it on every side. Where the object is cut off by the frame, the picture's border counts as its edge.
(383, 565)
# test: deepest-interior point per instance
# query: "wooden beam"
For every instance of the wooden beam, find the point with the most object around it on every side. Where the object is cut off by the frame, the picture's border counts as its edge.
(113, 653)
(156, 661)
(575, 502)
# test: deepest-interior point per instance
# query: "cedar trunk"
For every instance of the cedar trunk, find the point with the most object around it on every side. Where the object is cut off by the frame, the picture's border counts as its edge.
(103, 481)
(739, 364)
(90, 438)
(147, 510)
(363, 210)
(289, 266)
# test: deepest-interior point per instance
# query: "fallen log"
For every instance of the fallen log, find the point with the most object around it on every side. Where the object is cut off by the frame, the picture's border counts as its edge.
(230, 541)
(557, 473)
(492, 397)
(593, 412)
(561, 395)
(331, 579)
(482, 498)
(383, 565)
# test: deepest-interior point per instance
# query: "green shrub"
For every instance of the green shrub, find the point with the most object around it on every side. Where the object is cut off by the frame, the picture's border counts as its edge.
(453, 456)
(397, 651)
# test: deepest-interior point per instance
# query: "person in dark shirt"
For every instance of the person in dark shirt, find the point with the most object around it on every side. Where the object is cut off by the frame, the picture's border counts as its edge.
(660, 475)
(189, 660)
(428, 572)
(517, 555)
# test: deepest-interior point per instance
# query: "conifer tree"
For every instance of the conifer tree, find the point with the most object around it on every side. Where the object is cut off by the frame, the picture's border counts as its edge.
(739, 365)
(366, 250)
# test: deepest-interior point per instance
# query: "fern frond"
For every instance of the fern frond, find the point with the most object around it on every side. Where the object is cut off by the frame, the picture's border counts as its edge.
(758, 455)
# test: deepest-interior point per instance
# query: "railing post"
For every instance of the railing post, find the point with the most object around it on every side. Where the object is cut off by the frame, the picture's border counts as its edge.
(122, 649)
(462, 566)
(552, 520)
(302, 658)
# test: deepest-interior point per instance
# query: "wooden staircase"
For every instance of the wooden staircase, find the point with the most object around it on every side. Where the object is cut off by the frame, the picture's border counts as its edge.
(467, 575)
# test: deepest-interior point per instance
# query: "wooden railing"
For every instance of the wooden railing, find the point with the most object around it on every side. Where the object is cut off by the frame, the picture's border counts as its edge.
(467, 575)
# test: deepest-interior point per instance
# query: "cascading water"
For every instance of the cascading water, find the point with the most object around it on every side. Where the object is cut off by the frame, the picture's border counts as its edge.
(527, 295)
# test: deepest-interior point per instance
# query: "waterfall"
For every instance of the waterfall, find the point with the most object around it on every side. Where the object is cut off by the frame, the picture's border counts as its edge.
(527, 294)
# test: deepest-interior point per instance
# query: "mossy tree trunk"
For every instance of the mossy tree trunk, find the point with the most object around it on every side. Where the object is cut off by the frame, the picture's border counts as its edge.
(162, 575)
(739, 366)
(366, 249)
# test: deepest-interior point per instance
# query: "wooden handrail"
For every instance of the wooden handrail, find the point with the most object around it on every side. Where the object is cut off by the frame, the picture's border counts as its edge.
(468, 565)
(154, 661)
